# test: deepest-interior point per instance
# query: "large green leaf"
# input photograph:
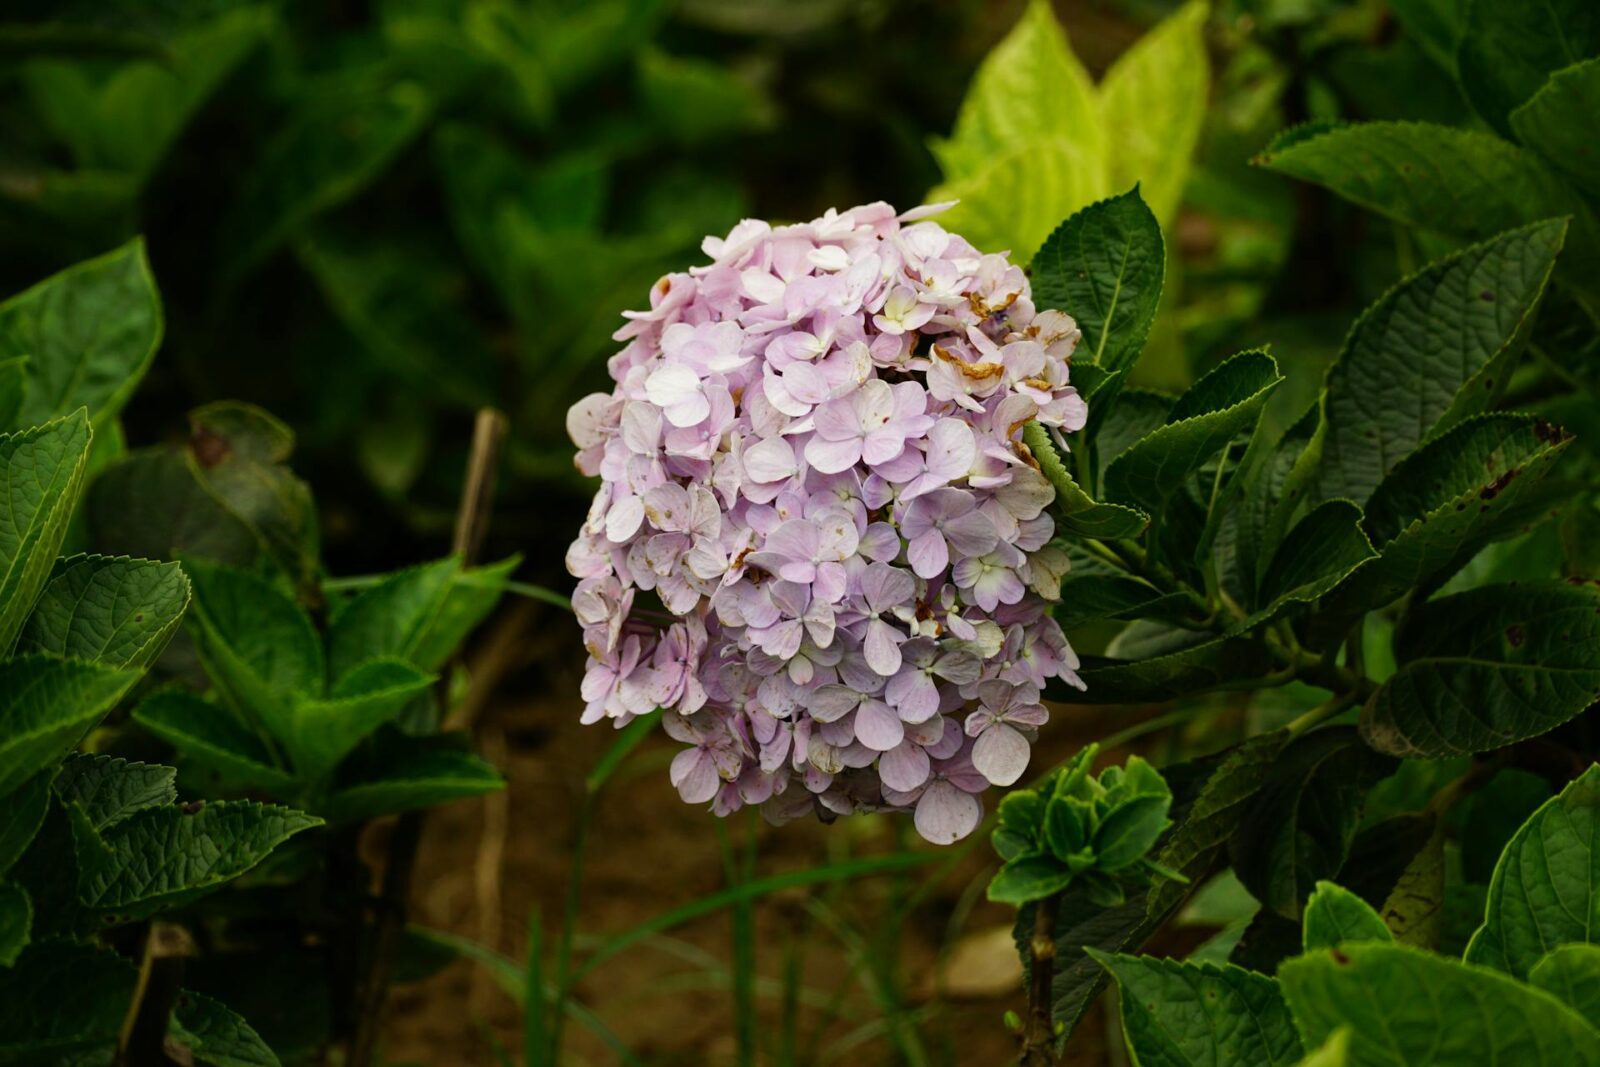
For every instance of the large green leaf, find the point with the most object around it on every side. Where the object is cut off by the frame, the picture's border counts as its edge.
(1207, 664)
(213, 737)
(1404, 1006)
(259, 646)
(1300, 830)
(1323, 547)
(110, 790)
(1456, 182)
(167, 856)
(60, 1000)
(1433, 349)
(1335, 915)
(423, 779)
(152, 503)
(46, 705)
(1544, 891)
(1152, 105)
(1176, 1013)
(1105, 266)
(371, 694)
(390, 619)
(1508, 50)
(1571, 974)
(1475, 482)
(43, 468)
(1020, 195)
(1488, 668)
(1029, 87)
(217, 1036)
(1562, 123)
(473, 594)
(16, 919)
(89, 333)
(1224, 403)
(120, 612)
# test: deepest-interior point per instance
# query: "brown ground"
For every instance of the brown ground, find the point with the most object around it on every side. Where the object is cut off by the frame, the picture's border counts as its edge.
(485, 864)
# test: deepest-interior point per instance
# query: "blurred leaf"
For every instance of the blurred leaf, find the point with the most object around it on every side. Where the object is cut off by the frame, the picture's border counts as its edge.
(62, 1000)
(1491, 817)
(1434, 349)
(120, 612)
(13, 388)
(695, 100)
(43, 468)
(1152, 105)
(1561, 122)
(1507, 51)
(1487, 668)
(46, 707)
(1300, 830)
(89, 333)
(209, 735)
(422, 779)
(16, 916)
(1470, 1015)
(391, 618)
(1216, 409)
(1571, 974)
(1181, 1013)
(1544, 888)
(327, 154)
(1335, 916)
(152, 503)
(323, 731)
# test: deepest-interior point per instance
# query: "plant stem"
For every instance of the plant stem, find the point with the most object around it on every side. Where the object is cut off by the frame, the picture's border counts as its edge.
(142, 1041)
(1039, 1030)
(1321, 713)
(372, 989)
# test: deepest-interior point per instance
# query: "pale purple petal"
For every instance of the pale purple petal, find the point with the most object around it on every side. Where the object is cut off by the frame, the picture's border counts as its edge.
(945, 814)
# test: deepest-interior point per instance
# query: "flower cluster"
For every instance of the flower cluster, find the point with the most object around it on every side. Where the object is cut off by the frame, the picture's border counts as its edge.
(819, 544)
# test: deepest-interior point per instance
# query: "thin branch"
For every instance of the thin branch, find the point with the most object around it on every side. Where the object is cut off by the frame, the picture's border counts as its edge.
(143, 1039)
(1039, 1029)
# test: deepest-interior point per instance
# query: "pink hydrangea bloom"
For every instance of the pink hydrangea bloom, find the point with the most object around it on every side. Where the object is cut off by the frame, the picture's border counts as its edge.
(818, 543)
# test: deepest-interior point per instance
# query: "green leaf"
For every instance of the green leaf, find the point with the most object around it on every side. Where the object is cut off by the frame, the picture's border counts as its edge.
(21, 816)
(89, 333)
(424, 780)
(1435, 348)
(392, 618)
(216, 1035)
(1507, 51)
(1198, 1013)
(1571, 974)
(1469, 1015)
(1028, 878)
(1487, 668)
(16, 917)
(1020, 195)
(1209, 664)
(1299, 832)
(696, 100)
(1152, 106)
(1475, 482)
(1221, 405)
(324, 731)
(1562, 123)
(239, 454)
(43, 469)
(1029, 88)
(1317, 554)
(1116, 596)
(117, 611)
(152, 503)
(168, 856)
(1334, 1052)
(329, 152)
(474, 592)
(62, 999)
(13, 389)
(1105, 267)
(1335, 915)
(259, 647)
(1078, 513)
(1544, 892)
(213, 737)
(1129, 831)
(1458, 183)
(110, 790)
(46, 705)
(1414, 909)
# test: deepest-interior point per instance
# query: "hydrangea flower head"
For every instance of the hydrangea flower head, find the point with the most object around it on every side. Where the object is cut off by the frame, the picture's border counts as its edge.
(819, 544)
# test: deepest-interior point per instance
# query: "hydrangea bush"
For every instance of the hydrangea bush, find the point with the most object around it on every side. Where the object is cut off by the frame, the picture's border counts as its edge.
(819, 542)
